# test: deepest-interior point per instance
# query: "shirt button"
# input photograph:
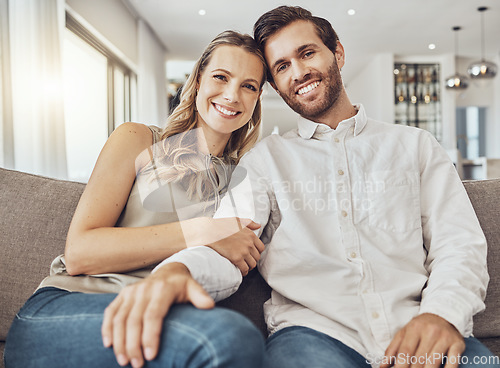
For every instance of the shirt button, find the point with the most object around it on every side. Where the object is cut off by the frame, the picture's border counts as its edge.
(341, 172)
(375, 315)
(336, 140)
(344, 214)
(353, 255)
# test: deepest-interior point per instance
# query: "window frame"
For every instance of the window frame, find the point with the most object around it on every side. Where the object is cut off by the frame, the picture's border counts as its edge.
(114, 63)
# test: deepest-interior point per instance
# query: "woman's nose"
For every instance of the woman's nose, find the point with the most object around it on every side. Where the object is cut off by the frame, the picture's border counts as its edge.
(231, 93)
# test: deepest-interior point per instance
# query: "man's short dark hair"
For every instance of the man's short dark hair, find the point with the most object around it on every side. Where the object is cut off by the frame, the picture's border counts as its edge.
(274, 20)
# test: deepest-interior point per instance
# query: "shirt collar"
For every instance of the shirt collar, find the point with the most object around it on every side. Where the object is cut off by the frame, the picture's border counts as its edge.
(307, 128)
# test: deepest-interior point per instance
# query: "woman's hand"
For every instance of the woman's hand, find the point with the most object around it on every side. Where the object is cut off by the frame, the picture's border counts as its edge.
(237, 242)
(133, 321)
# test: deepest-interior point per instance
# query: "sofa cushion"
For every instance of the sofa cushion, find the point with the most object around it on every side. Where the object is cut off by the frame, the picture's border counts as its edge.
(485, 197)
(35, 216)
(249, 299)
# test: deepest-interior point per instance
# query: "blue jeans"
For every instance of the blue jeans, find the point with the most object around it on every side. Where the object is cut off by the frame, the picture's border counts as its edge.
(299, 347)
(56, 328)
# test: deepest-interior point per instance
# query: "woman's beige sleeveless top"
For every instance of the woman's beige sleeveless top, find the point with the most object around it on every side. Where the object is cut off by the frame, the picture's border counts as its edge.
(142, 210)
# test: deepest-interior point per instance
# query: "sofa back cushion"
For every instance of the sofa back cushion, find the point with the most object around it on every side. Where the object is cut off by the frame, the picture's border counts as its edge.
(250, 298)
(485, 197)
(35, 213)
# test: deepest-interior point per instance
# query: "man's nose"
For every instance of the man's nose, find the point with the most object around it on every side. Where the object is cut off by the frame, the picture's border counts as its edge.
(299, 70)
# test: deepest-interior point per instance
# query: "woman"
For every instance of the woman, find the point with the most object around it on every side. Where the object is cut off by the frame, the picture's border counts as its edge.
(126, 222)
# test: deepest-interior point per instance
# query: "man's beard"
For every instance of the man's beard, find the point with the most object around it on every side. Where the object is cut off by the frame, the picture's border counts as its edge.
(317, 108)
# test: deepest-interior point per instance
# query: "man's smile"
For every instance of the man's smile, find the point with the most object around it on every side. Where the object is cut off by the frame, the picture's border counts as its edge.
(308, 88)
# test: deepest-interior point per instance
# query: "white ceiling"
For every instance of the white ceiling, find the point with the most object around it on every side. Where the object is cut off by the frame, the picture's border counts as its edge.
(402, 27)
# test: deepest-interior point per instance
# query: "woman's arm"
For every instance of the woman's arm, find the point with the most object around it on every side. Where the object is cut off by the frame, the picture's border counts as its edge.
(95, 246)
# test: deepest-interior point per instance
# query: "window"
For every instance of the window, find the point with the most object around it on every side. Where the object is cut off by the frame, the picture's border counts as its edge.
(471, 135)
(100, 94)
(85, 105)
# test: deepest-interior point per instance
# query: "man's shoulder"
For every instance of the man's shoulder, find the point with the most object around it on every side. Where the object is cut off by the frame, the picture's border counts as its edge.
(396, 129)
(275, 139)
(271, 148)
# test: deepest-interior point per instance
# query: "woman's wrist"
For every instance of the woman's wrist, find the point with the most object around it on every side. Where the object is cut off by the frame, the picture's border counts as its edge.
(194, 231)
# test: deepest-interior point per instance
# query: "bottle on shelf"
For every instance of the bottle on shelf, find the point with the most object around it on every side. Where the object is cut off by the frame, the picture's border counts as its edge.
(416, 96)
(401, 95)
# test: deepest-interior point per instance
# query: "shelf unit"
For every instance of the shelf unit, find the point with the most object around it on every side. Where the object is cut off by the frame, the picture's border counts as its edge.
(417, 96)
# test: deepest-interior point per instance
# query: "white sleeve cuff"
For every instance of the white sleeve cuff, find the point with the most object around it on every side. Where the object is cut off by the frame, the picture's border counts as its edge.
(216, 274)
(452, 312)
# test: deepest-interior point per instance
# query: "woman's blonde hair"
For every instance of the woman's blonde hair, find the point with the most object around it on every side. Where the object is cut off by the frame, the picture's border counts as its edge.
(179, 145)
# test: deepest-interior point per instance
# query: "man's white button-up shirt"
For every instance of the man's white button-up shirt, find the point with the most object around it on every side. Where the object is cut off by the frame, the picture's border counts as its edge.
(366, 226)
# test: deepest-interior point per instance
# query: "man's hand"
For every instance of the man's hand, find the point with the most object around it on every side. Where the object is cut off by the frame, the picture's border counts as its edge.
(133, 321)
(423, 342)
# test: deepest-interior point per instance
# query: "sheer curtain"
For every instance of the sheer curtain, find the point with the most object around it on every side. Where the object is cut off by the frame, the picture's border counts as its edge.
(6, 134)
(36, 32)
(151, 79)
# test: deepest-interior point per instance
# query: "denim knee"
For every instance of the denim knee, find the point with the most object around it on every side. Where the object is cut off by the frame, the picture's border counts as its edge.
(217, 337)
(246, 343)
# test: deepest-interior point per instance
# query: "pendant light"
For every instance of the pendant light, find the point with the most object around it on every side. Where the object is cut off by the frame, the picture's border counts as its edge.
(457, 81)
(482, 69)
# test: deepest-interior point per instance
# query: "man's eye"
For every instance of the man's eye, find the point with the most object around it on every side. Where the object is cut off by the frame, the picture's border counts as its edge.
(309, 53)
(281, 68)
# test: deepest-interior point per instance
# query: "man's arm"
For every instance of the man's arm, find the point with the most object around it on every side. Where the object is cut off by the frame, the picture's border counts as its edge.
(456, 262)
(456, 246)
(216, 274)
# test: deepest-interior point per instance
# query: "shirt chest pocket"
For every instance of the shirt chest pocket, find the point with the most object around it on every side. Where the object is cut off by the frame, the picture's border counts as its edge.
(393, 200)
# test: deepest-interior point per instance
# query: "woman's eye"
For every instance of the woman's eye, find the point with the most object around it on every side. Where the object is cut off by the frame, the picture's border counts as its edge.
(250, 87)
(220, 77)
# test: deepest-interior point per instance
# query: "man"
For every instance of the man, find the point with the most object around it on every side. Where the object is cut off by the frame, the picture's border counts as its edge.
(373, 251)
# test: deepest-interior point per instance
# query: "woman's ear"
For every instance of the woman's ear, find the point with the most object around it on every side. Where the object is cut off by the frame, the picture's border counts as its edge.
(197, 84)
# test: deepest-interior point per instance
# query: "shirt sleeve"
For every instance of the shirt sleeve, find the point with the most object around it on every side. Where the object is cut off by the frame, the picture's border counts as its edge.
(246, 197)
(201, 263)
(455, 244)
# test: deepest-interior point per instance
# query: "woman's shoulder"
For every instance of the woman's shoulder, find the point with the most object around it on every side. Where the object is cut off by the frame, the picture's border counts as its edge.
(133, 139)
(136, 136)
(134, 131)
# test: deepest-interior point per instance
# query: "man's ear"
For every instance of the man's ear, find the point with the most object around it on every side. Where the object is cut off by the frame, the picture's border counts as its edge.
(340, 55)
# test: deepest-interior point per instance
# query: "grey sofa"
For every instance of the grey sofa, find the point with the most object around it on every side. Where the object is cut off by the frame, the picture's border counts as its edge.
(36, 212)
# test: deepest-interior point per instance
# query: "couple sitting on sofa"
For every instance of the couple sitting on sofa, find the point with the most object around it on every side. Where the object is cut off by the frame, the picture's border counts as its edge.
(367, 258)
